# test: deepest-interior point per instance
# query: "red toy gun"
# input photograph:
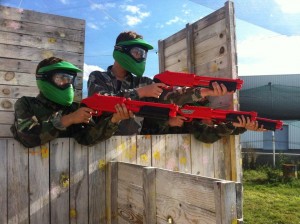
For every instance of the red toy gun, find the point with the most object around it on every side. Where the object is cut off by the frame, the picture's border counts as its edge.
(192, 80)
(102, 103)
(269, 124)
(197, 112)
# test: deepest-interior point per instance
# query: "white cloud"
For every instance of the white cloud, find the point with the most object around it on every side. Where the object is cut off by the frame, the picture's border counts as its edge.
(136, 15)
(289, 6)
(87, 69)
(132, 20)
(175, 20)
(92, 26)
(269, 55)
(95, 6)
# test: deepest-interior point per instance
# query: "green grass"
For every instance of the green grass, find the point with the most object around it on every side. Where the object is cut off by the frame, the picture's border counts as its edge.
(269, 199)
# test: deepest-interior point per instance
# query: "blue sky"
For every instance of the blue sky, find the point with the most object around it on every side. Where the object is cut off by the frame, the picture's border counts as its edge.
(261, 51)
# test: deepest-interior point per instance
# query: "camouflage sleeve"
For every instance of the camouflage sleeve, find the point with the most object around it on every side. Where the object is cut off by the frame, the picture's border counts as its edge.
(210, 134)
(28, 129)
(100, 131)
(181, 96)
(100, 83)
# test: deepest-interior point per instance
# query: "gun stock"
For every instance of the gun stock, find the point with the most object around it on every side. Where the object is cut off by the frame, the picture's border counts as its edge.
(192, 80)
(101, 103)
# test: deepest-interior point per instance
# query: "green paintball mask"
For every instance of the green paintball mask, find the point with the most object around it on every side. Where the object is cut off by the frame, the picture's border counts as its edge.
(56, 82)
(132, 54)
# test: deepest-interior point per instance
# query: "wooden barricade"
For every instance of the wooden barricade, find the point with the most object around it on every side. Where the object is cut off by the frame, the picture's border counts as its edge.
(66, 182)
(151, 195)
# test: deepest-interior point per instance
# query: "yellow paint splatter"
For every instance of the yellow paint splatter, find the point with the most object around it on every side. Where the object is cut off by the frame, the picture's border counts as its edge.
(144, 158)
(64, 180)
(101, 164)
(52, 40)
(47, 54)
(121, 147)
(156, 155)
(73, 213)
(44, 152)
(214, 67)
(183, 160)
(234, 221)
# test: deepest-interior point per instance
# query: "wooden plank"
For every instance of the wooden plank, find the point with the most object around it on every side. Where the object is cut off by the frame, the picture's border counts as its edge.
(8, 91)
(3, 180)
(37, 54)
(41, 18)
(208, 160)
(16, 78)
(97, 184)
(130, 173)
(178, 62)
(39, 184)
(60, 180)
(170, 210)
(176, 37)
(143, 143)
(158, 151)
(6, 117)
(210, 19)
(149, 195)
(172, 152)
(184, 147)
(5, 130)
(192, 189)
(56, 44)
(227, 201)
(239, 201)
(128, 148)
(215, 33)
(161, 55)
(215, 68)
(112, 193)
(190, 48)
(78, 183)
(41, 30)
(113, 148)
(16, 65)
(17, 183)
(175, 48)
(196, 156)
(22, 66)
(212, 54)
(219, 159)
(130, 202)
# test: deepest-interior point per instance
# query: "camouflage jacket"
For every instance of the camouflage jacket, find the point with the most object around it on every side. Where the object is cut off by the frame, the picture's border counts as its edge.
(106, 83)
(37, 121)
(206, 133)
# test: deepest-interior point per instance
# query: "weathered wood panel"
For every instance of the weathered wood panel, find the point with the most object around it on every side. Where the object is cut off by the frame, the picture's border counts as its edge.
(208, 47)
(26, 38)
(69, 183)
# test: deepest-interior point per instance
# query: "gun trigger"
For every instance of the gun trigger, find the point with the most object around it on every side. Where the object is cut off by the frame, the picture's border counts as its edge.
(168, 87)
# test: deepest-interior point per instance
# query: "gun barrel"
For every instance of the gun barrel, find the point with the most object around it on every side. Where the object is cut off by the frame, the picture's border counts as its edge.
(270, 124)
(192, 80)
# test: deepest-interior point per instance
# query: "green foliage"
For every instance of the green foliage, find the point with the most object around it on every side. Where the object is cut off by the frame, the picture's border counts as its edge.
(269, 198)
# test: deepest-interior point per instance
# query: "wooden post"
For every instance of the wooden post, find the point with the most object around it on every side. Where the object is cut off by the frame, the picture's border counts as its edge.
(149, 196)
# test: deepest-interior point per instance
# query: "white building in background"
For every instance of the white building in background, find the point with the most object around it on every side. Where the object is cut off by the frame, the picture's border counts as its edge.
(274, 97)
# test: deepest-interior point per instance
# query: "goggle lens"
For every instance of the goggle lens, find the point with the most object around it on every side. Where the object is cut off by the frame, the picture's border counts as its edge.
(138, 53)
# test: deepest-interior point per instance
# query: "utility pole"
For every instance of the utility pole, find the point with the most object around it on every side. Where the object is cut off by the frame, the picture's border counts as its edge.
(273, 146)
